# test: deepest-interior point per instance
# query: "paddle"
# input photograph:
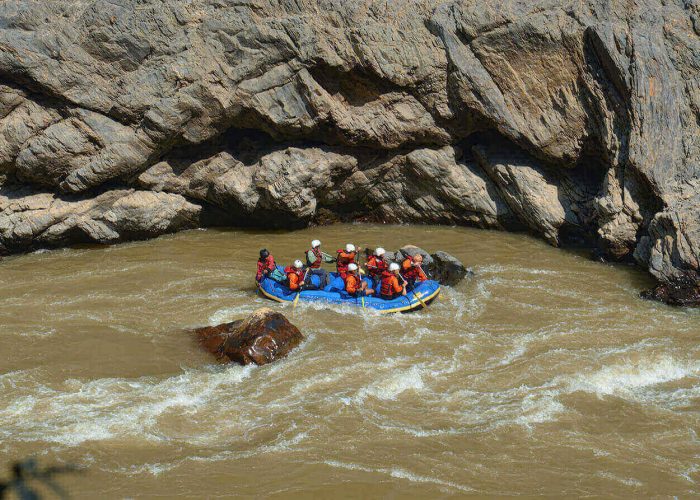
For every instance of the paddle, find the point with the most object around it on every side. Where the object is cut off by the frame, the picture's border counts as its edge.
(414, 293)
(296, 299)
(361, 290)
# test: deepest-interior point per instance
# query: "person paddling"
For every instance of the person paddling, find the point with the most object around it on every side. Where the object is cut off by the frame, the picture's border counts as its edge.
(314, 258)
(376, 265)
(412, 270)
(266, 265)
(391, 288)
(345, 258)
(354, 284)
(295, 276)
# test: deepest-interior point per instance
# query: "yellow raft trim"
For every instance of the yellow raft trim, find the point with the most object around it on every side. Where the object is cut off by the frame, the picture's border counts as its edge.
(410, 307)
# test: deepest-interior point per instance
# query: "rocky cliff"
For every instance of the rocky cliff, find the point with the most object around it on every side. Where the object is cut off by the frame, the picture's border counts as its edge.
(574, 120)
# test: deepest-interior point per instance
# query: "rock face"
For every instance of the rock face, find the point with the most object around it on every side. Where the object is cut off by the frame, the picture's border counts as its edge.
(575, 120)
(261, 338)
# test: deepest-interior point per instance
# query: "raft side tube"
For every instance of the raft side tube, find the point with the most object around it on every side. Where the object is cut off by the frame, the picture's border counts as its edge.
(426, 290)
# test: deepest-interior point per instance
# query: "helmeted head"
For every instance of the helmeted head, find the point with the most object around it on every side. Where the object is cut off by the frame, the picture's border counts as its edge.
(352, 267)
(418, 259)
(298, 264)
(379, 252)
(264, 254)
(394, 267)
(315, 244)
(349, 247)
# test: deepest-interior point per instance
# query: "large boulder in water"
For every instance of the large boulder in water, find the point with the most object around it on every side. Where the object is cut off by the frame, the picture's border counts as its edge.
(263, 337)
(447, 269)
(412, 250)
(439, 266)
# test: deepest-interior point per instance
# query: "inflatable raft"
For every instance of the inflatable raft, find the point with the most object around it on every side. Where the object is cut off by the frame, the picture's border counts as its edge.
(334, 293)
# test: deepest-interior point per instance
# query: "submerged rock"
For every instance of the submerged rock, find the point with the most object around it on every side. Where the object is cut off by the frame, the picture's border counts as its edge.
(262, 338)
(447, 269)
(684, 291)
(439, 266)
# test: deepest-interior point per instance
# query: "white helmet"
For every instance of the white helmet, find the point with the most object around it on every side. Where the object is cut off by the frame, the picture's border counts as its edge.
(315, 244)
(379, 252)
(393, 267)
(298, 264)
(352, 267)
(349, 247)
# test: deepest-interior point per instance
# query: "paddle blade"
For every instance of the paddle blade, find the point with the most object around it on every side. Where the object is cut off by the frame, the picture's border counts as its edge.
(419, 300)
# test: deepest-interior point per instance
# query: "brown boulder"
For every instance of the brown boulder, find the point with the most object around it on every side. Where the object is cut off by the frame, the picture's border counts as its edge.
(261, 338)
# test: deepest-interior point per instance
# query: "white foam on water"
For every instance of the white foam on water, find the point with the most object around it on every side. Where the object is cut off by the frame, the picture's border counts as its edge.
(517, 270)
(548, 272)
(416, 336)
(398, 473)
(312, 383)
(155, 469)
(231, 313)
(540, 408)
(280, 445)
(686, 474)
(108, 408)
(459, 304)
(487, 411)
(626, 481)
(518, 350)
(41, 333)
(419, 432)
(490, 269)
(15, 378)
(19, 407)
(392, 386)
(404, 474)
(626, 377)
(343, 309)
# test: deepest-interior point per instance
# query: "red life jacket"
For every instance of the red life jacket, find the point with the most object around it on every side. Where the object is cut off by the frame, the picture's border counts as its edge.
(317, 263)
(389, 285)
(352, 284)
(409, 271)
(376, 265)
(344, 259)
(268, 263)
(293, 271)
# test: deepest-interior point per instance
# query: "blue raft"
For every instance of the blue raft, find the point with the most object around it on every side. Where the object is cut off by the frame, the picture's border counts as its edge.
(335, 293)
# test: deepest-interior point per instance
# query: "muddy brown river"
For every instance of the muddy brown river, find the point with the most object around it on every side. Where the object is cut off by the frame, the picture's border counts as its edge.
(544, 374)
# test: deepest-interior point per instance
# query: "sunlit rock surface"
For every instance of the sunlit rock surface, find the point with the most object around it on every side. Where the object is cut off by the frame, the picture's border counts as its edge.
(261, 338)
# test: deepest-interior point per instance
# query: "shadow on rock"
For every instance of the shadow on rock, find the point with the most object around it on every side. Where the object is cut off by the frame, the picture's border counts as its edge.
(261, 338)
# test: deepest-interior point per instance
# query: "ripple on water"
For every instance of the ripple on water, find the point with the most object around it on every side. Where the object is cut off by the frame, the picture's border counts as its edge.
(399, 474)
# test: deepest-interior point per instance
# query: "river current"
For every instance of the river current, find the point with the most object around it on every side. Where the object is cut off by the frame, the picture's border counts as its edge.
(543, 374)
